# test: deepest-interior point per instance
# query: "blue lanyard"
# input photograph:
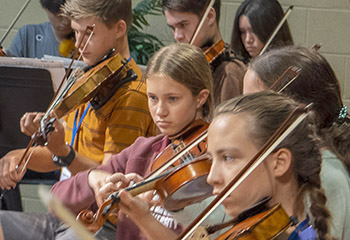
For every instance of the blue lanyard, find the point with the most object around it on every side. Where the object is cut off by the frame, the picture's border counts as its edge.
(75, 127)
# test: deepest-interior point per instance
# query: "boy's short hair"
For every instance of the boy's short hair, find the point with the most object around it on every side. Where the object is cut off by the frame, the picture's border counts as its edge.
(52, 6)
(106, 11)
(191, 6)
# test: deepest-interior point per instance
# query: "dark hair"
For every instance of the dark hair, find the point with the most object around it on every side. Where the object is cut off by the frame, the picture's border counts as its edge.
(52, 6)
(264, 16)
(197, 7)
(317, 83)
(187, 65)
(265, 112)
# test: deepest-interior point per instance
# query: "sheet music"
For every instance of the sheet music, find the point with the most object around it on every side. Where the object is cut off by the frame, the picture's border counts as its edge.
(56, 68)
(66, 61)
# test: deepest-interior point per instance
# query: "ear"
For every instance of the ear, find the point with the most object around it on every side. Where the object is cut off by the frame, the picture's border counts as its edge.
(202, 97)
(120, 28)
(282, 161)
(211, 17)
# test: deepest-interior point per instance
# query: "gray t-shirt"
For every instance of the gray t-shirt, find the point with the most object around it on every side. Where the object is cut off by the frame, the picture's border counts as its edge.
(33, 41)
(335, 181)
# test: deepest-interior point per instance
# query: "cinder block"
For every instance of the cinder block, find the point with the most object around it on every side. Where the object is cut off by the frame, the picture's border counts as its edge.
(329, 28)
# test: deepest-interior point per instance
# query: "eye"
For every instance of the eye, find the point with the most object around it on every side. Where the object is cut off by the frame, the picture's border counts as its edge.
(152, 98)
(173, 99)
(228, 158)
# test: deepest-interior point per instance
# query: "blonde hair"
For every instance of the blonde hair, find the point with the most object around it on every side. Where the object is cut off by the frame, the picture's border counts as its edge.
(187, 65)
(106, 11)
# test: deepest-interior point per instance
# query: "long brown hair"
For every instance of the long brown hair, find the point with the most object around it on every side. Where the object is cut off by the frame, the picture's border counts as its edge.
(187, 65)
(265, 112)
(317, 83)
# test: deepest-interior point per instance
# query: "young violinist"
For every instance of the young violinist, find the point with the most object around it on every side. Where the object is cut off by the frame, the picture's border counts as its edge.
(316, 83)
(254, 23)
(95, 131)
(179, 84)
(183, 17)
(34, 41)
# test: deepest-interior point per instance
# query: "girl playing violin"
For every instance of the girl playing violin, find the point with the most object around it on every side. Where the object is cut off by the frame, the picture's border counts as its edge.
(179, 89)
(254, 23)
(316, 83)
(289, 175)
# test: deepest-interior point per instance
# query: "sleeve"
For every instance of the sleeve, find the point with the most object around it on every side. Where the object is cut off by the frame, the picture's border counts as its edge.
(233, 81)
(129, 120)
(17, 46)
(75, 192)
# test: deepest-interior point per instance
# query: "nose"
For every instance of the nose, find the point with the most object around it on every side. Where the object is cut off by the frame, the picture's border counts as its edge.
(249, 38)
(178, 35)
(162, 110)
(215, 177)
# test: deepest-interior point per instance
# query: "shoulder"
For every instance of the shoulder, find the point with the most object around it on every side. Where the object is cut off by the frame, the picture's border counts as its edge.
(34, 27)
(333, 173)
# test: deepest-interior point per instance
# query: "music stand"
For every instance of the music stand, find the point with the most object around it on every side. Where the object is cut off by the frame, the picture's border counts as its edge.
(21, 90)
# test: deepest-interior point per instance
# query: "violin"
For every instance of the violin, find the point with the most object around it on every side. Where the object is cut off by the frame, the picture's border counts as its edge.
(265, 225)
(259, 222)
(214, 51)
(2, 53)
(172, 177)
(180, 141)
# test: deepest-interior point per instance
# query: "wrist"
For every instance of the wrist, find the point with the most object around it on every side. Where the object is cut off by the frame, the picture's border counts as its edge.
(62, 150)
(64, 160)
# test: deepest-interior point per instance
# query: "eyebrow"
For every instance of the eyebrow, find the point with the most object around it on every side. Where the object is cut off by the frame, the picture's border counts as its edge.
(177, 23)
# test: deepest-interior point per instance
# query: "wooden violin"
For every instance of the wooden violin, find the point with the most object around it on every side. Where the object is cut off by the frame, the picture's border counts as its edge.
(265, 225)
(2, 53)
(214, 51)
(180, 141)
(178, 182)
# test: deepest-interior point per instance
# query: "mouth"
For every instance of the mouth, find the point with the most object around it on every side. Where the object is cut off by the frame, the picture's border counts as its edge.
(163, 123)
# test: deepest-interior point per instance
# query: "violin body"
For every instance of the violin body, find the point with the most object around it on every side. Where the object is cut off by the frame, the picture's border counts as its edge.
(266, 225)
(87, 86)
(186, 185)
(214, 51)
(189, 134)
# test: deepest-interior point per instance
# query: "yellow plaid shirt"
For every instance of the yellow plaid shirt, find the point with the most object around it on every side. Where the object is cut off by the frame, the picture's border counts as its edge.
(116, 124)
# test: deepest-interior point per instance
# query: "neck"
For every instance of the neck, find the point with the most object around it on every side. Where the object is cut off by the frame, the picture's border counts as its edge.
(286, 192)
(122, 47)
(216, 35)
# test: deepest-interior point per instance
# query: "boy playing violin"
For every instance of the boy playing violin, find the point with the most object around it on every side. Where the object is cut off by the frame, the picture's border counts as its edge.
(104, 129)
(183, 17)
